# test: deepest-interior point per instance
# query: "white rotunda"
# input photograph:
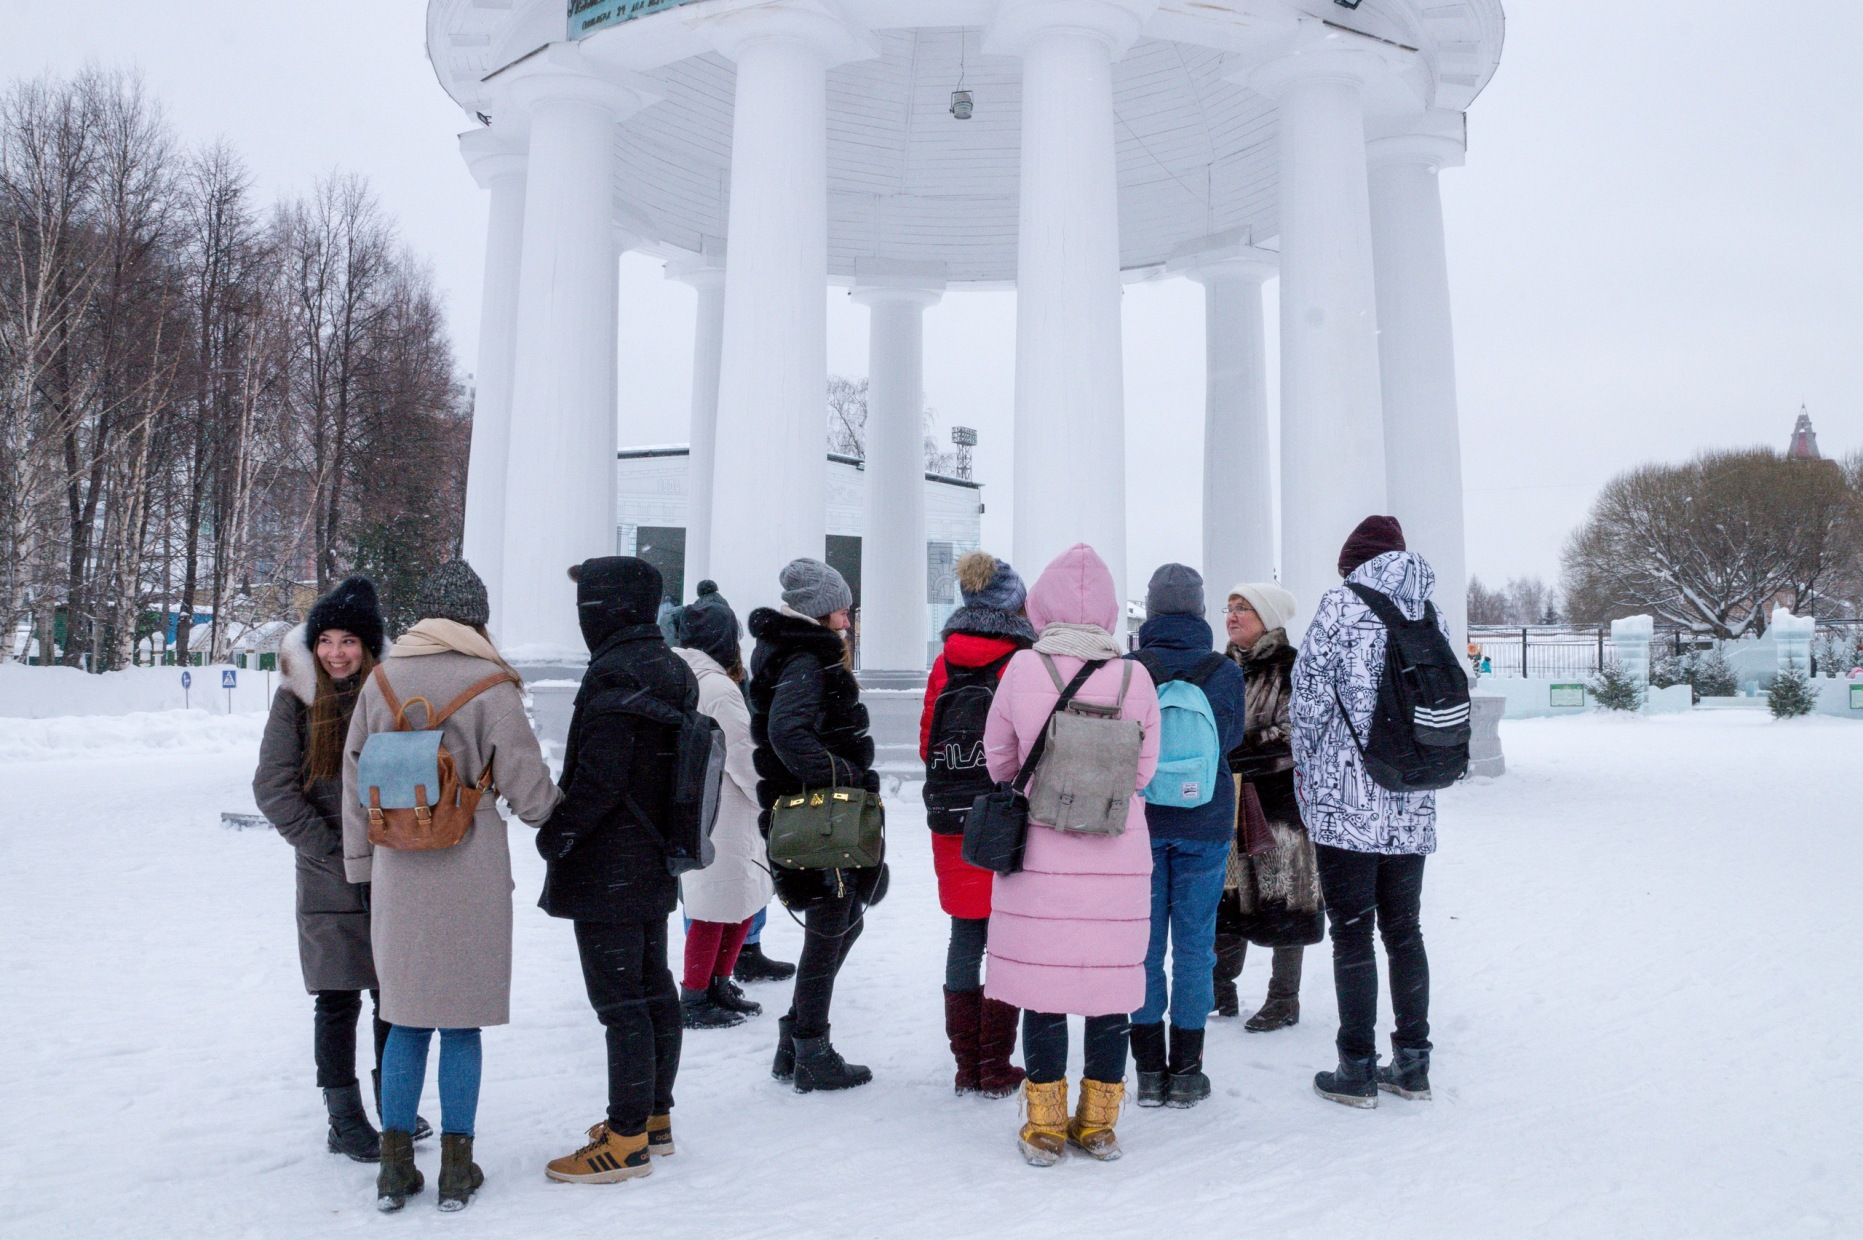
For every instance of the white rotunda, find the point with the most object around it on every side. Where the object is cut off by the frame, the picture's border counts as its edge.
(768, 148)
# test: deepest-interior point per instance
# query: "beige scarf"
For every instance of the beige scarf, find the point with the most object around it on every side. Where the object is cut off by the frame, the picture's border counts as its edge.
(449, 637)
(1078, 641)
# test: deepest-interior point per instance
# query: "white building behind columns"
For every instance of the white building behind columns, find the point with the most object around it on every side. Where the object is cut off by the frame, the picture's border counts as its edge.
(768, 148)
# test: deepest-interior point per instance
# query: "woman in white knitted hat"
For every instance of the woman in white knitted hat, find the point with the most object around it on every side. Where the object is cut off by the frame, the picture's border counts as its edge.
(1272, 898)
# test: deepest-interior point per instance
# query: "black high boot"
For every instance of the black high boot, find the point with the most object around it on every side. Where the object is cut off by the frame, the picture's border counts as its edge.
(422, 1129)
(351, 1133)
(820, 1066)
(783, 1067)
(399, 1178)
(1354, 1083)
(1407, 1075)
(1231, 950)
(1148, 1056)
(1283, 1006)
(753, 966)
(1188, 1085)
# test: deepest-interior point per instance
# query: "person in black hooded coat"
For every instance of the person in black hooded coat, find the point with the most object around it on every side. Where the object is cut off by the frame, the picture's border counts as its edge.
(810, 729)
(607, 866)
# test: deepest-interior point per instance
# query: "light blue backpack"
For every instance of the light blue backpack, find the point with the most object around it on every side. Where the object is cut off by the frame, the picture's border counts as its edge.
(1190, 758)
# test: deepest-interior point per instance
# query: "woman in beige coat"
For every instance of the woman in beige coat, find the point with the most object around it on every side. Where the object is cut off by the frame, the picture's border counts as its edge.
(441, 919)
(721, 899)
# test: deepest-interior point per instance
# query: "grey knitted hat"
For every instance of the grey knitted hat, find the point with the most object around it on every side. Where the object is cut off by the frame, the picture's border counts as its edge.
(454, 592)
(815, 589)
(1175, 590)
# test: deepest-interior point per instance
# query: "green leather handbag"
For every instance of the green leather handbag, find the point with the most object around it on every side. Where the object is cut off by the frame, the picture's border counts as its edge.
(828, 829)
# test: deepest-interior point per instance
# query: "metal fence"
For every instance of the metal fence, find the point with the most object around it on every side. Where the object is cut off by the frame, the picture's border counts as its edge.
(1559, 650)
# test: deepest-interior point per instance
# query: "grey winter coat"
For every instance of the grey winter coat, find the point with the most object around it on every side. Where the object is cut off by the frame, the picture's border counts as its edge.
(442, 919)
(1341, 660)
(333, 916)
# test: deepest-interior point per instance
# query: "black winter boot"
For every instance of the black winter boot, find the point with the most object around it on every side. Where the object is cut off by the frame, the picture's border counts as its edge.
(783, 1067)
(724, 992)
(1354, 1083)
(754, 966)
(1148, 1056)
(422, 1129)
(351, 1133)
(399, 1178)
(1282, 1010)
(1407, 1075)
(1231, 950)
(460, 1177)
(820, 1066)
(698, 1010)
(1188, 1085)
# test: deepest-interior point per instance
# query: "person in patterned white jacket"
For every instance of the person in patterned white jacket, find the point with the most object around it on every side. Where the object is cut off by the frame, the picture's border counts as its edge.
(1370, 841)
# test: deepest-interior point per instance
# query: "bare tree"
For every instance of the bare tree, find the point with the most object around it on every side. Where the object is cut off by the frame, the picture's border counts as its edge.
(1715, 542)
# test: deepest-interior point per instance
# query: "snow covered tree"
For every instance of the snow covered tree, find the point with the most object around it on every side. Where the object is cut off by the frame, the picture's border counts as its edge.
(1712, 675)
(1616, 689)
(1791, 695)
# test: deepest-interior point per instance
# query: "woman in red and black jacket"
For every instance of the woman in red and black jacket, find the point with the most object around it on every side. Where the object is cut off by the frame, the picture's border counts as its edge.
(978, 640)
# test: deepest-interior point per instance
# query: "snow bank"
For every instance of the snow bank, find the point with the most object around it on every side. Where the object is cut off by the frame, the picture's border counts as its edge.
(92, 736)
(46, 692)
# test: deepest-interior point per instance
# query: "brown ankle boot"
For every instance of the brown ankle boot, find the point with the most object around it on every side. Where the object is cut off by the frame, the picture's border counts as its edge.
(962, 1020)
(996, 1038)
(1092, 1126)
(1043, 1138)
(460, 1177)
(398, 1178)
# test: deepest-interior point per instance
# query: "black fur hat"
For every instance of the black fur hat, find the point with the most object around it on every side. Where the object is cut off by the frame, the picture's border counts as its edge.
(351, 607)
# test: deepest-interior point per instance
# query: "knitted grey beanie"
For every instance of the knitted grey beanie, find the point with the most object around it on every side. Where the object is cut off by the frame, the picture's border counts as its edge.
(454, 592)
(815, 589)
(1175, 590)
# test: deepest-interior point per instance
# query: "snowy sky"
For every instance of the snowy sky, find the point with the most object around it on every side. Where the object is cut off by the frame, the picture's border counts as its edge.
(1655, 247)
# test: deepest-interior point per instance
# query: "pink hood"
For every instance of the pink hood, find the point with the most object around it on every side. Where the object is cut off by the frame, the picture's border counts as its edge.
(1077, 588)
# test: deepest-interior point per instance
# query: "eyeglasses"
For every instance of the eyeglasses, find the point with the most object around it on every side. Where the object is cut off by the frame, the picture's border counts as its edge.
(1239, 609)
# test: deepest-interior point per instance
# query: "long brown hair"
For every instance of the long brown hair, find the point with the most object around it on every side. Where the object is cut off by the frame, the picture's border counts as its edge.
(329, 719)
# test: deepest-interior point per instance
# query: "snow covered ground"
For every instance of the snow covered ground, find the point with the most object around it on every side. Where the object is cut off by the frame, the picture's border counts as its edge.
(1644, 942)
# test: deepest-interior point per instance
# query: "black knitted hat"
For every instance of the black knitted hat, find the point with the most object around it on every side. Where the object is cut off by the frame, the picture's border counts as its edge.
(709, 625)
(454, 592)
(351, 607)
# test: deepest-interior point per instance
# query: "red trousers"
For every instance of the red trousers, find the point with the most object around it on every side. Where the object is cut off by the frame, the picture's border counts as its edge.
(711, 950)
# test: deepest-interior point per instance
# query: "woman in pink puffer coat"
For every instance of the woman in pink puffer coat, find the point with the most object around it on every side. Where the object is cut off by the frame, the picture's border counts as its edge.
(1068, 933)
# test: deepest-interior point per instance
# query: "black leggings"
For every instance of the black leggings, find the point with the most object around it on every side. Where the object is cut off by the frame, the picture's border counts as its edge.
(631, 989)
(333, 1035)
(829, 931)
(1044, 1047)
(963, 960)
(1388, 888)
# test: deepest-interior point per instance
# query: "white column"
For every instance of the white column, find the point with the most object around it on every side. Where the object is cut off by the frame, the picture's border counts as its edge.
(1070, 373)
(1332, 421)
(770, 499)
(1238, 472)
(892, 547)
(1422, 438)
(497, 164)
(559, 498)
(706, 274)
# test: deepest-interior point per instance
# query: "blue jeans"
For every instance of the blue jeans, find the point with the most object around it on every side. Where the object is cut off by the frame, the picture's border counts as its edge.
(1186, 886)
(404, 1072)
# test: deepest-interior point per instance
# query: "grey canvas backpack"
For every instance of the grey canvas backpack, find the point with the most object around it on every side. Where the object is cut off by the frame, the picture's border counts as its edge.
(1089, 765)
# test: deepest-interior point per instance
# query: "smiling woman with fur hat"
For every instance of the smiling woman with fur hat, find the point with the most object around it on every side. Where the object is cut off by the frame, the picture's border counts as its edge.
(299, 787)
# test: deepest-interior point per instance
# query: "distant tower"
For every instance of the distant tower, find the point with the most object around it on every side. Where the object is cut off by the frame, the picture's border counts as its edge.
(1804, 446)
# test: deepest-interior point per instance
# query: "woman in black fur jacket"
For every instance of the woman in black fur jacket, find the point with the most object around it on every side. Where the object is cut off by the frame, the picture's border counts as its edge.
(810, 729)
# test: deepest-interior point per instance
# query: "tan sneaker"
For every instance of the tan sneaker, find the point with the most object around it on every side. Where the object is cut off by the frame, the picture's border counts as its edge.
(660, 1135)
(1043, 1138)
(607, 1157)
(1092, 1126)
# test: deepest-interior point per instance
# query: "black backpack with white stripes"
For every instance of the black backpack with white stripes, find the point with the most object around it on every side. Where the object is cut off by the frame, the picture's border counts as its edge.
(1420, 727)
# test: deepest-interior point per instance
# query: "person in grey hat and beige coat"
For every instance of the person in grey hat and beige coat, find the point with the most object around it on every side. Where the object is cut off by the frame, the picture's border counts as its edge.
(1272, 899)
(441, 919)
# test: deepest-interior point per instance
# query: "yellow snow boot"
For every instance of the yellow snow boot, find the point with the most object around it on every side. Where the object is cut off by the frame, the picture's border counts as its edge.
(1092, 1126)
(607, 1158)
(1043, 1138)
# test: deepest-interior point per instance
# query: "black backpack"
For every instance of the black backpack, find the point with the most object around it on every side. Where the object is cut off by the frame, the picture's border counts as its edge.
(698, 777)
(1420, 727)
(956, 772)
